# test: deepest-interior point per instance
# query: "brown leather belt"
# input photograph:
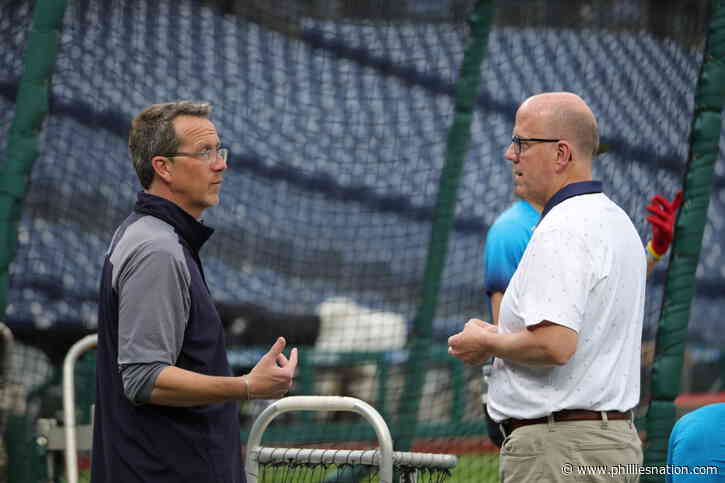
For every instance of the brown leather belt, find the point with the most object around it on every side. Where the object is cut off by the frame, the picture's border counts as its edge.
(510, 425)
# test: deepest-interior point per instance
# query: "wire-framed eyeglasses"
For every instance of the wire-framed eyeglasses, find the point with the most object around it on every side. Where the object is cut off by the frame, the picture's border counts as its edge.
(518, 142)
(208, 155)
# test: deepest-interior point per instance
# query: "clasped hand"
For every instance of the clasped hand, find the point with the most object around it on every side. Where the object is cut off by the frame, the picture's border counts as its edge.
(473, 345)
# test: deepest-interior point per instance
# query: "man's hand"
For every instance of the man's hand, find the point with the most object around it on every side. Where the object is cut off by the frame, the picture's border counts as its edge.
(663, 216)
(472, 345)
(273, 375)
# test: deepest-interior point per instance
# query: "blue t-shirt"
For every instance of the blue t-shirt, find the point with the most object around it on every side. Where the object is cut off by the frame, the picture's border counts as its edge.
(505, 244)
(698, 439)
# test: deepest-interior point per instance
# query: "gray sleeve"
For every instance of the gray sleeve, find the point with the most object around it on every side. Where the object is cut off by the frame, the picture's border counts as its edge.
(139, 380)
(154, 302)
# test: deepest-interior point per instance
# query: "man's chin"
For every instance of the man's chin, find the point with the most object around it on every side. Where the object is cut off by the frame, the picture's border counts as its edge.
(210, 201)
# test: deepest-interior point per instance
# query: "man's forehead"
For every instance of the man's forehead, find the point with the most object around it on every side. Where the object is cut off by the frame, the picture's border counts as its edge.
(524, 121)
(194, 128)
(535, 117)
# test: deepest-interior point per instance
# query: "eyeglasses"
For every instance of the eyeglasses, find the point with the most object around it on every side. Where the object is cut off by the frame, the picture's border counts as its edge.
(518, 142)
(208, 155)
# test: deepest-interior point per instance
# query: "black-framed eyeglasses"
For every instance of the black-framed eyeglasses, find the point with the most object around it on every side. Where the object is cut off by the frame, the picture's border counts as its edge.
(518, 142)
(208, 155)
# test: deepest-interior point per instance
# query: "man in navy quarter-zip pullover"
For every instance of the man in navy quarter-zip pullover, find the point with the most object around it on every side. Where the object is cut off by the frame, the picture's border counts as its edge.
(166, 402)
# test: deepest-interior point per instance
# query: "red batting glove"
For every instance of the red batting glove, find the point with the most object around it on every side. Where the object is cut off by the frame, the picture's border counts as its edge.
(662, 218)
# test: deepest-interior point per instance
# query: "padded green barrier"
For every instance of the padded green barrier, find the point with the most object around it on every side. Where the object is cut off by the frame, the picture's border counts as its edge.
(680, 284)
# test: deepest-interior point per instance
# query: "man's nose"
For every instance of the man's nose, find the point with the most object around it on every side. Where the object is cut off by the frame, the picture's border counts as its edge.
(220, 164)
(510, 154)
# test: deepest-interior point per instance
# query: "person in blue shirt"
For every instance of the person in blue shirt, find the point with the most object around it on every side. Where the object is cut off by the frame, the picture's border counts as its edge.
(505, 245)
(697, 442)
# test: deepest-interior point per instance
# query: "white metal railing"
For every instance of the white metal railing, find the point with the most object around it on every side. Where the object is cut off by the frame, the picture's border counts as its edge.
(69, 413)
(8, 343)
(383, 457)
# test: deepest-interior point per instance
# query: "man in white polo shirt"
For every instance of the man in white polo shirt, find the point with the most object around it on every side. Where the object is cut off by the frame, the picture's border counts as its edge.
(567, 348)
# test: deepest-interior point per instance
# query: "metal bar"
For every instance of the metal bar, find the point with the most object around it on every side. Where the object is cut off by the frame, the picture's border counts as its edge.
(8, 346)
(320, 403)
(69, 414)
(369, 457)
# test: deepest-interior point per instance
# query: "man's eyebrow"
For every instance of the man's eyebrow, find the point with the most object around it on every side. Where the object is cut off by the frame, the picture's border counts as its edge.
(206, 145)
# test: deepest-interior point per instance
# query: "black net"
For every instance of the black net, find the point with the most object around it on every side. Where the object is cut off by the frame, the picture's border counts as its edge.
(281, 465)
(14, 26)
(337, 115)
(306, 473)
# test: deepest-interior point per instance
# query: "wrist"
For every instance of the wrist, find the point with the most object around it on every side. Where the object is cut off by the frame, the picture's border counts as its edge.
(247, 390)
(653, 253)
(659, 247)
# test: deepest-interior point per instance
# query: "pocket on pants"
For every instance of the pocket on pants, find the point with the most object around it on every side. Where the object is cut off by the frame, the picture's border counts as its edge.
(618, 460)
(520, 459)
(618, 448)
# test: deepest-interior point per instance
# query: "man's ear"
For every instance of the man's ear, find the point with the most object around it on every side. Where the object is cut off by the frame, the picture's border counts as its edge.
(564, 156)
(162, 167)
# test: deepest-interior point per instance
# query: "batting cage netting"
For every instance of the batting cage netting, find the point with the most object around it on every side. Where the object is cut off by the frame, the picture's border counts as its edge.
(366, 166)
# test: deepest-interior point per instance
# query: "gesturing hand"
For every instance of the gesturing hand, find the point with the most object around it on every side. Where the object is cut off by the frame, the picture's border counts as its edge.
(473, 344)
(662, 218)
(273, 375)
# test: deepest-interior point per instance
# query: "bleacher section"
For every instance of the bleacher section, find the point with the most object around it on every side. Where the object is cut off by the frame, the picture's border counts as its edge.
(338, 127)
(289, 140)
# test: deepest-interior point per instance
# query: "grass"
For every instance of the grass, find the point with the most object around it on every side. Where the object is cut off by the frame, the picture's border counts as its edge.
(478, 468)
(471, 468)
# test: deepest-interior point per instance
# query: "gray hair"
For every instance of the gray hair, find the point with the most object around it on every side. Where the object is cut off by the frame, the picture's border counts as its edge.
(152, 133)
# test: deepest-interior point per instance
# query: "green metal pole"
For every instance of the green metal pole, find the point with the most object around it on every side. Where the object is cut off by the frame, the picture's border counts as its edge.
(31, 108)
(26, 460)
(680, 282)
(459, 135)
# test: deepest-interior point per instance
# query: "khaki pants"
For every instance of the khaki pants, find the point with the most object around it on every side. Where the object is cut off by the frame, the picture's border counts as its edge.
(587, 451)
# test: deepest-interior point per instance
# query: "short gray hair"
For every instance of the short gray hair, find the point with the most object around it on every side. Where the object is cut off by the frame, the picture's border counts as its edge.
(152, 133)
